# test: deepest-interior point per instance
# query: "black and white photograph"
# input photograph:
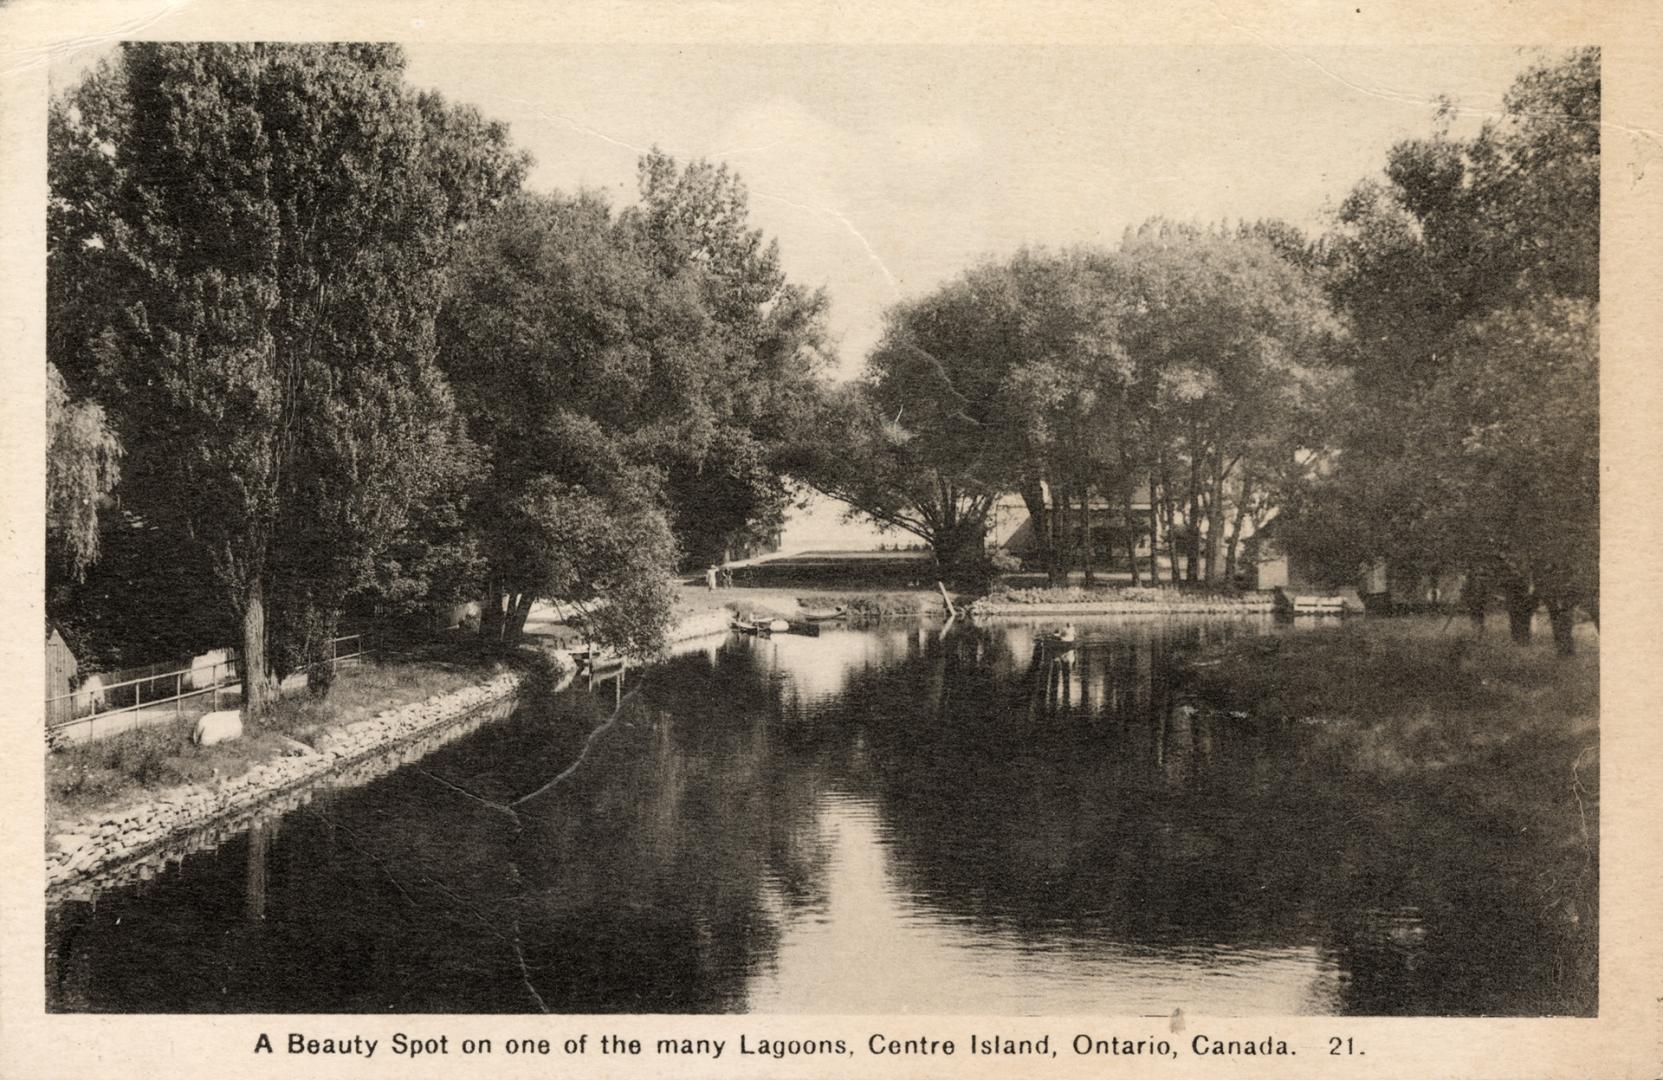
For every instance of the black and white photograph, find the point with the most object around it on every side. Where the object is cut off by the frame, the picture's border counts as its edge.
(785, 529)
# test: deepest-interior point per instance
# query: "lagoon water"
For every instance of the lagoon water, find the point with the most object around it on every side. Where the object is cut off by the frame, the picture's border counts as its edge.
(898, 818)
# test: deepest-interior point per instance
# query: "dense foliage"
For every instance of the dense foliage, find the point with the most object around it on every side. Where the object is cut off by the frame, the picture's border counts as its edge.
(1172, 370)
(1469, 441)
(246, 244)
(1415, 391)
(336, 359)
(311, 348)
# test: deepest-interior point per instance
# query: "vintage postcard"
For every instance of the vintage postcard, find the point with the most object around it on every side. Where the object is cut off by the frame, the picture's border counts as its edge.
(824, 541)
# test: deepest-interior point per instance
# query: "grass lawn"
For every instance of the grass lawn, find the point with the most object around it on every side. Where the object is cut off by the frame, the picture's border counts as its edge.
(128, 768)
(1471, 729)
(1415, 694)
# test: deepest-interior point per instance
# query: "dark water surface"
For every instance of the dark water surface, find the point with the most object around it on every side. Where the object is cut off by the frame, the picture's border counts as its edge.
(876, 820)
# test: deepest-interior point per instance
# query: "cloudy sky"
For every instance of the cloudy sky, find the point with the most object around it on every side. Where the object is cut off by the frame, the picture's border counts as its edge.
(884, 171)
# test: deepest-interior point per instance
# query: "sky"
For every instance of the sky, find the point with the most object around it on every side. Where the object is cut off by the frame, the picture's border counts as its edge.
(885, 171)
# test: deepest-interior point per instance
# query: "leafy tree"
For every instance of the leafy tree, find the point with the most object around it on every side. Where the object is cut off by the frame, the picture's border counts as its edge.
(1470, 276)
(576, 367)
(922, 443)
(1228, 339)
(648, 366)
(248, 242)
(724, 474)
(1070, 395)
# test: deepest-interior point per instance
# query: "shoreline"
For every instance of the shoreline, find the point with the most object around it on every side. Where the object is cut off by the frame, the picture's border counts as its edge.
(1199, 606)
(116, 843)
(108, 840)
(111, 845)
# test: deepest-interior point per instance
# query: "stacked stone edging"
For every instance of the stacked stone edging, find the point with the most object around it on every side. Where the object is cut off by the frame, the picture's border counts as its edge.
(1198, 606)
(104, 838)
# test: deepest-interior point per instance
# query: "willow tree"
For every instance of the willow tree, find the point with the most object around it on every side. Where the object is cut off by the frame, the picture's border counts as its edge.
(83, 463)
(252, 240)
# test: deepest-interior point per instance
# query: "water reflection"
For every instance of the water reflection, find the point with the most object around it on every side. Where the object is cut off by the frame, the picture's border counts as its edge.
(889, 819)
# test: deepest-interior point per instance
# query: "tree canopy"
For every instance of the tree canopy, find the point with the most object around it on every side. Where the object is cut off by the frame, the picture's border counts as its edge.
(1470, 277)
(246, 247)
(1077, 375)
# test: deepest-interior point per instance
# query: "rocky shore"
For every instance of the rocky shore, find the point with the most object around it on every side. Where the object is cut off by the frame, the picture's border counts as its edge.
(132, 842)
(105, 841)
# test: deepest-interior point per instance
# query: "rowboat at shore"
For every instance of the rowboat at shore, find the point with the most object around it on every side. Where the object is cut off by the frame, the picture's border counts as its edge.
(760, 627)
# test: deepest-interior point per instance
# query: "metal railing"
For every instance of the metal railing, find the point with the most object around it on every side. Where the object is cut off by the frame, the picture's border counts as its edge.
(148, 696)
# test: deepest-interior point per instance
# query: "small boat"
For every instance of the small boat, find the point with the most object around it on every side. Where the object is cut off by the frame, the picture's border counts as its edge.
(1061, 640)
(1289, 604)
(595, 660)
(749, 626)
(826, 616)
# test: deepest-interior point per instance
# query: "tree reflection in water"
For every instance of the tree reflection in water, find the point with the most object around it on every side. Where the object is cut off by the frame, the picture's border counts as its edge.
(875, 819)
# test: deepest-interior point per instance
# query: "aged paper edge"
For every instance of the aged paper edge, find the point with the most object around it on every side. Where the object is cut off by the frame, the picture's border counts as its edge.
(1625, 1039)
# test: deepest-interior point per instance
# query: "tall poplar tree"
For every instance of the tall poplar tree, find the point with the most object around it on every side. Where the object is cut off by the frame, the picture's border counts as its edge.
(247, 243)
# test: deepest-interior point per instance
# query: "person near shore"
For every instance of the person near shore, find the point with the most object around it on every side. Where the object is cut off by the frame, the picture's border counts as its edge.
(727, 577)
(1067, 633)
(710, 577)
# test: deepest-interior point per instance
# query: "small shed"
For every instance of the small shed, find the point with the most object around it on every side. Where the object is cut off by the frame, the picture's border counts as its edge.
(61, 671)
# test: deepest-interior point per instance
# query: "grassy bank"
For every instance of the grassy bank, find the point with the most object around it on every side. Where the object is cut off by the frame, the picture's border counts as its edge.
(1470, 730)
(1412, 695)
(132, 766)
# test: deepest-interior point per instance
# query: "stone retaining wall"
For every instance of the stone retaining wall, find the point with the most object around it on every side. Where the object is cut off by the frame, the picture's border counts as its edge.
(106, 840)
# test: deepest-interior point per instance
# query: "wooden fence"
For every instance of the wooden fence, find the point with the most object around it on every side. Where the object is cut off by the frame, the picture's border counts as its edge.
(87, 712)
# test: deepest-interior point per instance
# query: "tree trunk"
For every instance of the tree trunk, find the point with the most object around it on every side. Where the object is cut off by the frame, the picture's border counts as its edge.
(490, 609)
(1066, 545)
(1235, 531)
(1170, 513)
(1033, 497)
(958, 550)
(1215, 521)
(1561, 616)
(515, 625)
(320, 669)
(1474, 597)
(1131, 530)
(1192, 539)
(1521, 606)
(1087, 543)
(1154, 536)
(257, 689)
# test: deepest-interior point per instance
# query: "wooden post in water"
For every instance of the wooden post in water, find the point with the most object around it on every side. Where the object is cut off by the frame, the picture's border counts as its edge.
(951, 610)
